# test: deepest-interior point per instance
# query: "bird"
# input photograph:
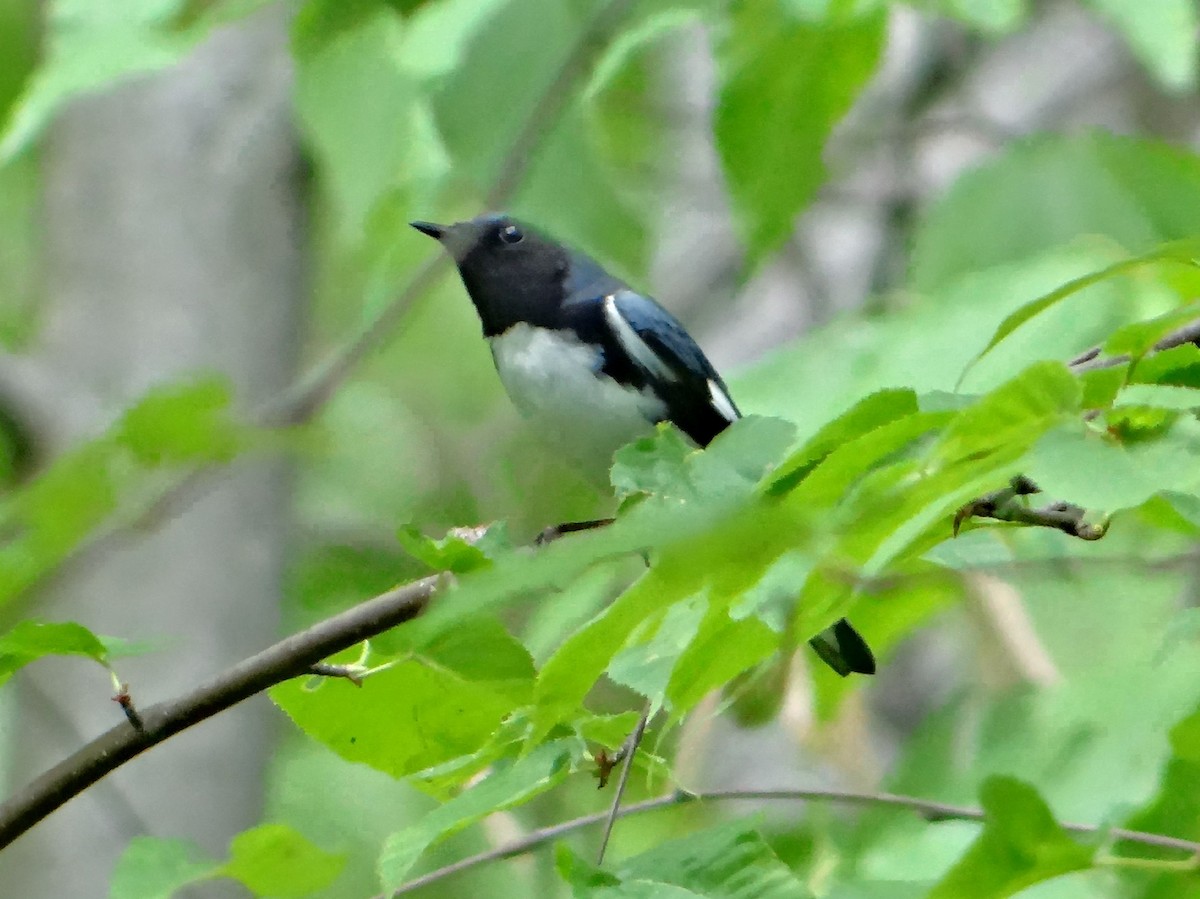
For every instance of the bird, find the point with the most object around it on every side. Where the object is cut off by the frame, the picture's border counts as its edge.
(594, 364)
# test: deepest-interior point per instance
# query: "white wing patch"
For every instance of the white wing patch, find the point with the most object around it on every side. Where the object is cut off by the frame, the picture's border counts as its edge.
(721, 401)
(639, 351)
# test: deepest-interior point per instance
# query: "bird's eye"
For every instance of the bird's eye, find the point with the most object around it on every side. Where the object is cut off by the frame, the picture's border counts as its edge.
(511, 234)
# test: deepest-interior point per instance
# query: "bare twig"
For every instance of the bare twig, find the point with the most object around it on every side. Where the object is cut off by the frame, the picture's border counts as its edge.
(935, 811)
(1007, 504)
(1091, 359)
(627, 751)
(290, 657)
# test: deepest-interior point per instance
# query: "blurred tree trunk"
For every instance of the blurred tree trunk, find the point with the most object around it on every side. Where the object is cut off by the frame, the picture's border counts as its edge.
(175, 238)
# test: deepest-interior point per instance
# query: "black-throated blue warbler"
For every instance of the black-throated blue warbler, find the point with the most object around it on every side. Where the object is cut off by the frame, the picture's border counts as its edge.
(592, 363)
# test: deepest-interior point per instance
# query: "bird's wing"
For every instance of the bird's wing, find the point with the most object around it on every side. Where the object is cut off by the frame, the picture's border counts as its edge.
(697, 400)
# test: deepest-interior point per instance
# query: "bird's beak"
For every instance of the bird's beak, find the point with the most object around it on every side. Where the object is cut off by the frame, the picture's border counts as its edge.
(437, 232)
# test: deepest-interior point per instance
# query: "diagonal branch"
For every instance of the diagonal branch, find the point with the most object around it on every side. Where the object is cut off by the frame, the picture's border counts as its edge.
(290, 657)
(934, 811)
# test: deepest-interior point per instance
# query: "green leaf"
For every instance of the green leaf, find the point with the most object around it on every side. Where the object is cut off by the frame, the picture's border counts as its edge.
(1180, 251)
(621, 105)
(92, 44)
(646, 665)
(451, 553)
(841, 468)
(275, 860)
(182, 424)
(570, 673)
(31, 640)
(1021, 845)
(731, 861)
(482, 104)
(505, 787)
(1135, 192)
(155, 868)
(668, 465)
(722, 649)
(1013, 415)
(458, 687)
(1161, 33)
(873, 411)
(807, 74)
(655, 464)
(1139, 338)
(1179, 366)
(1089, 469)
(361, 111)
(1173, 810)
(438, 35)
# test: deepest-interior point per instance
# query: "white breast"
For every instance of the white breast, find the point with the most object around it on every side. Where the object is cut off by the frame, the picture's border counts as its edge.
(555, 382)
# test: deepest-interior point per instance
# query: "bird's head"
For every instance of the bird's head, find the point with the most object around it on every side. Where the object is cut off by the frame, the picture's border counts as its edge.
(512, 272)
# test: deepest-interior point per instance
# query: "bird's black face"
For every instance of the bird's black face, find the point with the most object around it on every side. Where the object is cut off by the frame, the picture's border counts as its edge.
(512, 272)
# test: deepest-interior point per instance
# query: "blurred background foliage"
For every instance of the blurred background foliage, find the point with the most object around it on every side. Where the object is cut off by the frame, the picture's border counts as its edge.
(839, 198)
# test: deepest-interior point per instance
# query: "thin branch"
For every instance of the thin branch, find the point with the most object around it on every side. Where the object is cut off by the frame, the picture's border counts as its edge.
(935, 811)
(1089, 360)
(1008, 504)
(629, 750)
(290, 657)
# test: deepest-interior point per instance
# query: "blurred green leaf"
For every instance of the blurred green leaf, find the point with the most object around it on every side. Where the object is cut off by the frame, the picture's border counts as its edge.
(29, 641)
(1014, 415)
(1161, 33)
(1021, 845)
(1093, 471)
(622, 108)
(506, 786)
(92, 44)
(1135, 191)
(1139, 338)
(483, 104)
(182, 424)
(1179, 366)
(451, 553)
(1181, 251)
(1175, 809)
(155, 868)
(869, 413)
(730, 861)
(807, 74)
(361, 109)
(655, 464)
(722, 648)
(438, 33)
(275, 860)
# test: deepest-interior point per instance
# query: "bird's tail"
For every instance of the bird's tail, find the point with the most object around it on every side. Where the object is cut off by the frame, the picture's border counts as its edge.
(843, 649)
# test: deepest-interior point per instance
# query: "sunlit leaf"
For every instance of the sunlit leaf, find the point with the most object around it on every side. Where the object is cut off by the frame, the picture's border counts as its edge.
(275, 860)
(457, 688)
